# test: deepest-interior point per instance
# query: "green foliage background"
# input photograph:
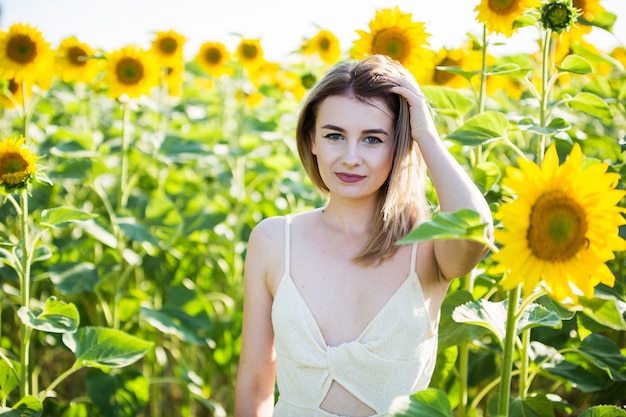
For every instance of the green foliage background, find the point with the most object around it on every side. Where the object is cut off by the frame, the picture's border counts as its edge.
(160, 257)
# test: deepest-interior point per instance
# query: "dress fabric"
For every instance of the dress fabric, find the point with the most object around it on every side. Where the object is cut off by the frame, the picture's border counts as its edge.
(395, 355)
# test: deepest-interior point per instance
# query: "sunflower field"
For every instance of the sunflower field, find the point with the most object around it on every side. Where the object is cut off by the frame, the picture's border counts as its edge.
(131, 179)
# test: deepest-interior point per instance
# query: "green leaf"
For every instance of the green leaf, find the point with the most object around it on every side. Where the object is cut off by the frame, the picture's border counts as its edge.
(9, 379)
(535, 406)
(175, 322)
(28, 406)
(511, 69)
(123, 394)
(73, 279)
(101, 347)
(452, 333)
(591, 104)
(481, 129)
(606, 311)
(62, 216)
(486, 175)
(461, 224)
(448, 101)
(605, 355)
(137, 232)
(576, 65)
(537, 315)
(427, 403)
(56, 317)
(579, 377)
(603, 411)
(484, 313)
(555, 126)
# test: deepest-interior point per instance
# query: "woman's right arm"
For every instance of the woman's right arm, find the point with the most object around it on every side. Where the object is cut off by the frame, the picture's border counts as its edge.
(254, 390)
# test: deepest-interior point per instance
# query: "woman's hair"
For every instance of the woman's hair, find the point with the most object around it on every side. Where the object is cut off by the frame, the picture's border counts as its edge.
(401, 202)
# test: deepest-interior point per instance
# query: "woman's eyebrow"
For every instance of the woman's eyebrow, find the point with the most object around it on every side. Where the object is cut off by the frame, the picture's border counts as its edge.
(368, 131)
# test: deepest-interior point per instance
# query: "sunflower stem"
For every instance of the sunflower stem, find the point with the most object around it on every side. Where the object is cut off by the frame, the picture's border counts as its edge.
(507, 352)
(543, 105)
(24, 276)
(124, 155)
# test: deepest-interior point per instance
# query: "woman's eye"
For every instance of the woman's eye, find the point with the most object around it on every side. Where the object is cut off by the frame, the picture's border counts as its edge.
(333, 136)
(372, 140)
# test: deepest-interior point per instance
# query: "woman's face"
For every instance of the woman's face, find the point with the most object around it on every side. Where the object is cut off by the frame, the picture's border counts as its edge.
(354, 144)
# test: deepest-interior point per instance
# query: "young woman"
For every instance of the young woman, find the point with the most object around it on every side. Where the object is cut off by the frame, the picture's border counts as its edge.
(341, 316)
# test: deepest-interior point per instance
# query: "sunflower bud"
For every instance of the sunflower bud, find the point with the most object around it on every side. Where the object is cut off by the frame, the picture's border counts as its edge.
(558, 15)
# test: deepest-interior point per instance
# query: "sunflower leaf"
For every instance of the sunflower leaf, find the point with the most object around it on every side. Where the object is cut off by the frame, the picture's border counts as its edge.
(481, 129)
(576, 65)
(56, 317)
(430, 402)
(100, 347)
(445, 100)
(483, 313)
(461, 224)
(61, 216)
(591, 104)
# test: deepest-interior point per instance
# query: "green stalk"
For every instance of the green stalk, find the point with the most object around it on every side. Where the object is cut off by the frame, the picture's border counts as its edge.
(507, 352)
(543, 105)
(24, 275)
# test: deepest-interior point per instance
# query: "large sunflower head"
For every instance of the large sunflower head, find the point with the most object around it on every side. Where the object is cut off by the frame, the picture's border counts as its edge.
(17, 164)
(395, 34)
(562, 228)
(213, 57)
(325, 44)
(76, 61)
(131, 71)
(499, 15)
(25, 56)
(167, 47)
(250, 53)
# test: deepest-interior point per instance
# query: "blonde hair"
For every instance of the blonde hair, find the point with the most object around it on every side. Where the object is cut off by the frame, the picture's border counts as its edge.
(401, 201)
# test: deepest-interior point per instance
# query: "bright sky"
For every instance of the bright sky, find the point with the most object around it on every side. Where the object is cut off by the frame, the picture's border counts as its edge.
(280, 24)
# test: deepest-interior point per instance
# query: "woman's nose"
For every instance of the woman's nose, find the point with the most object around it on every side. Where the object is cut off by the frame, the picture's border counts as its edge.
(351, 155)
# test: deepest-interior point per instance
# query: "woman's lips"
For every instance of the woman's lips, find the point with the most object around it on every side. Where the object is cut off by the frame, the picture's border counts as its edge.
(349, 178)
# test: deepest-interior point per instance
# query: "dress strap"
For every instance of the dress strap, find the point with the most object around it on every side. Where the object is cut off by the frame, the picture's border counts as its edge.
(287, 243)
(413, 257)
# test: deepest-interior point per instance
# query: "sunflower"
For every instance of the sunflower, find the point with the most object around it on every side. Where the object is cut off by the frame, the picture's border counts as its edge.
(558, 15)
(562, 228)
(213, 57)
(75, 61)
(499, 15)
(12, 94)
(25, 56)
(17, 164)
(131, 71)
(167, 47)
(325, 44)
(250, 53)
(395, 34)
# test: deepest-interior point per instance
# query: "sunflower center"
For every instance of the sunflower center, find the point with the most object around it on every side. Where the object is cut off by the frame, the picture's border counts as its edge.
(249, 51)
(502, 6)
(168, 46)
(213, 56)
(21, 49)
(129, 71)
(77, 56)
(324, 44)
(393, 43)
(558, 226)
(12, 163)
